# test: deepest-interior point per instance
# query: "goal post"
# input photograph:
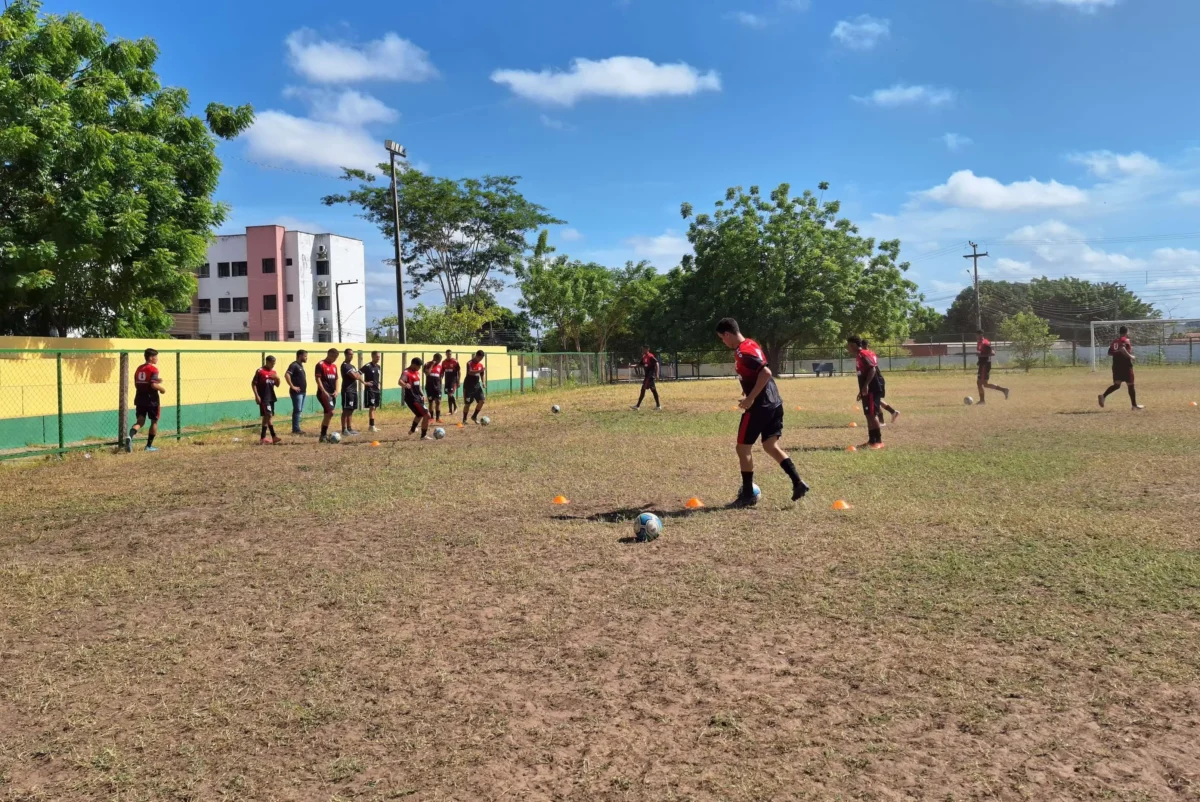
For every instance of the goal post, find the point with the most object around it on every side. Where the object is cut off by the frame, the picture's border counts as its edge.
(1170, 341)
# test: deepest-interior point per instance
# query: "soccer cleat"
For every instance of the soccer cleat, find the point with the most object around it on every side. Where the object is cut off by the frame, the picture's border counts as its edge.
(374, 428)
(636, 408)
(128, 445)
(876, 446)
(1100, 398)
(426, 437)
(744, 500)
(1006, 392)
(1136, 407)
(323, 439)
(895, 416)
(658, 409)
(264, 442)
(276, 441)
(799, 490)
(151, 449)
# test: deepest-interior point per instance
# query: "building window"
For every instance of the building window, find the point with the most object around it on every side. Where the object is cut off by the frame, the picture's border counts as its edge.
(271, 336)
(288, 261)
(222, 269)
(270, 302)
(242, 336)
(239, 268)
(225, 336)
(322, 267)
(291, 297)
(241, 304)
(291, 335)
(222, 304)
(323, 303)
(204, 306)
(324, 336)
(202, 271)
(203, 336)
(269, 265)
(183, 336)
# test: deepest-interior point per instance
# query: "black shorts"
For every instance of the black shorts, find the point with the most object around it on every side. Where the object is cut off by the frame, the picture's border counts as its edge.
(417, 407)
(1122, 374)
(147, 411)
(985, 371)
(649, 382)
(451, 386)
(266, 408)
(870, 404)
(328, 403)
(474, 393)
(349, 400)
(372, 399)
(765, 423)
(433, 392)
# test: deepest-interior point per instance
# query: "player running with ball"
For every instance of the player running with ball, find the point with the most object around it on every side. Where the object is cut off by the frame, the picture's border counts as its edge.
(762, 414)
(414, 399)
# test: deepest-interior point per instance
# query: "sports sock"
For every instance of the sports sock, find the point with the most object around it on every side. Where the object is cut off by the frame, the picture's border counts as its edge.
(149, 441)
(747, 483)
(789, 468)
(1111, 390)
(133, 433)
(657, 403)
(324, 429)
(262, 431)
(1132, 395)
(271, 428)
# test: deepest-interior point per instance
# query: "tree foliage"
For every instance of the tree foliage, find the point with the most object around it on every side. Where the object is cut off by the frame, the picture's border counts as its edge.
(1030, 337)
(435, 325)
(791, 271)
(1067, 304)
(106, 182)
(461, 236)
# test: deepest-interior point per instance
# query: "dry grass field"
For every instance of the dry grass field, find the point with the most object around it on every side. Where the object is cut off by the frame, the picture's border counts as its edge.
(1010, 610)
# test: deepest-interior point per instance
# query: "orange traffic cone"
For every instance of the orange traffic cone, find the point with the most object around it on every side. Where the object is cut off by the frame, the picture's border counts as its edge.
(561, 500)
(840, 505)
(458, 426)
(374, 444)
(853, 425)
(694, 503)
(852, 448)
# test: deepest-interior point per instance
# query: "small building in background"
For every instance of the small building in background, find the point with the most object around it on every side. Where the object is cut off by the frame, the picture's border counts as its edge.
(274, 285)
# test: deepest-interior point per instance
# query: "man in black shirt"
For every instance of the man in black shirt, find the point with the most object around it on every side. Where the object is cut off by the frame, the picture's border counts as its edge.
(351, 378)
(372, 374)
(297, 382)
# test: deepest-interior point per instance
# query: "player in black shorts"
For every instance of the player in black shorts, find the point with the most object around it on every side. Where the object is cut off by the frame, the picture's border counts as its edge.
(372, 376)
(433, 386)
(762, 414)
(326, 374)
(148, 387)
(451, 376)
(650, 372)
(473, 387)
(410, 380)
(351, 378)
(883, 405)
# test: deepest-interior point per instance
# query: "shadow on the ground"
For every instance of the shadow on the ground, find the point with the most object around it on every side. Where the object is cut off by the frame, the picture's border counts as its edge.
(629, 514)
(812, 449)
(1081, 412)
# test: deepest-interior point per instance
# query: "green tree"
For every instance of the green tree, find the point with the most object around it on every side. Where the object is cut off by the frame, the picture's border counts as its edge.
(106, 182)
(791, 271)
(436, 325)
(925, 319)
(462, 236)
(1030, 336)
(1068, 304)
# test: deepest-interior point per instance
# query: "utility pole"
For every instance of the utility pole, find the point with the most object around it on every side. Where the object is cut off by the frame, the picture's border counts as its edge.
(337, 301)
(395, 149)
(976, 256)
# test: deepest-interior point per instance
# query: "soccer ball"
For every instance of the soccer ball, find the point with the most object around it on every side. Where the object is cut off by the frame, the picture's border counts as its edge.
(968, 400)
(439, 433)
(757, 492)
(335, 438)
(556, 409)
(485, 421)
(647, 527)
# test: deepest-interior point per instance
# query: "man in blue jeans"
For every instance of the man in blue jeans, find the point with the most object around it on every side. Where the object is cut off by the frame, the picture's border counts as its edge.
(297, 387)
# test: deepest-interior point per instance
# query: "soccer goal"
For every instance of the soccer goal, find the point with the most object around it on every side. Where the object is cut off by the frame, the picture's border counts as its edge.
(1175, 341)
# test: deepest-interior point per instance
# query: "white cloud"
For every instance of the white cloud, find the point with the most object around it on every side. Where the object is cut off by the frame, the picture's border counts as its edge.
(550, 122)
(905, 95)
(665, 249)
(569, 235)
(946, 287)
(390, 58)
(862, 33)
(619, 76)
(346, 107)
(1106, 164)
(748, 20)
(298, 224)
(1006, 268)
(956, 142)
(1063, 247)
(1086, 6)
(278, 137)
(1190, 197)
(967, 190)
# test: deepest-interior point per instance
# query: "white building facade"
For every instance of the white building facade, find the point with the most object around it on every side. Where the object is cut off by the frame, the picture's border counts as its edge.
(274, 285)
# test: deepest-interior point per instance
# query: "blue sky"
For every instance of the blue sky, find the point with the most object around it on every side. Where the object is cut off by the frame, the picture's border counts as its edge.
(1061, 135)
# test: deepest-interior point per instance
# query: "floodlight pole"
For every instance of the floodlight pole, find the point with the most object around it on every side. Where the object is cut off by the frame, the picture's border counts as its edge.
(395, 149)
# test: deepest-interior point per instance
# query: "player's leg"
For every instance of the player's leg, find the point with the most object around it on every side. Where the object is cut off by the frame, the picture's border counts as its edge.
(641, 397)
(275, 439)
(747, 435)
(437, 409)
(262, 428)
(799, 486)
(152, 432)
(654, 392)
(1132, 395)
(327, 415)
(451, 401)
(133, 430)
(1112, 388)
(466, 407)
(478, 408)
(980, 384)
(870, 405)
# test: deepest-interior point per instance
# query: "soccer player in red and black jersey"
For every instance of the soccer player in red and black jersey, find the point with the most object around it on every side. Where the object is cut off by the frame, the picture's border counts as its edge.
(372, 376)
(264, 383)
(433, 386)
(451, 376)
(985, 351)
(883, 404)
(867, 367)
(148, 387)
(473, 387)
(414, 398)
(327, 382)
(650, 372)
(762, 414)
(1121, 352)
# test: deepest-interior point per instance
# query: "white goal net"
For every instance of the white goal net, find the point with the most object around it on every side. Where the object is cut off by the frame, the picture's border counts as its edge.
(1155, 342)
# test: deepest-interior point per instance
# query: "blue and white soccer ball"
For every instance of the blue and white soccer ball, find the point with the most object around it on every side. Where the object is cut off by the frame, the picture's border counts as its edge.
(335, 438)
(647, 527)
(968, 400)
(556, 409)
(485, 421)
(757, 492)
(439, 433)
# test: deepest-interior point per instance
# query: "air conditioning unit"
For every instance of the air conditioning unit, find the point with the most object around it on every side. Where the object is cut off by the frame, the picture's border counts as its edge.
(323, 324)
(322, 253)
(245, 324)
(322, 288)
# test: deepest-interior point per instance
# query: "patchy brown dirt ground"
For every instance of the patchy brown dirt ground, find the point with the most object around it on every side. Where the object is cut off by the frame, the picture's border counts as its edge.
(1010, 610)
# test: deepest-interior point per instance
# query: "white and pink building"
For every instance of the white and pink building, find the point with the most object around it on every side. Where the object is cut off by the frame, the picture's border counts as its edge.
(274, 285)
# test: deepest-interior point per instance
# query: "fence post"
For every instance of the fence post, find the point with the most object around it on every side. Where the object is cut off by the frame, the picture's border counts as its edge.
(521, 364)
(123, 399)
(62, 442)
(178, 395)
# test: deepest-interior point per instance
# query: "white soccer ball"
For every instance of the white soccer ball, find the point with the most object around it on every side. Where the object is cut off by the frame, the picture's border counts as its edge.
(757, 491)
(485, 421)
(647, 527)
(968, 400)
(439, 433)
(335, 438)
(556, 409)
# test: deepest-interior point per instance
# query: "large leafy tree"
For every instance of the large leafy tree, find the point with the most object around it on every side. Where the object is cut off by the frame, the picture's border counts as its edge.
(106, 182)
(791, 271)
(1067, 304)
(462, 236)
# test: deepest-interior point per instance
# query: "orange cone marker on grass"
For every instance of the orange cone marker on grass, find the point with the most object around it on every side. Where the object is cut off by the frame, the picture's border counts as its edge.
(374, 444)
(561, 500)
(853, 425)
(852, 448)
(840, 505)
(694, 503)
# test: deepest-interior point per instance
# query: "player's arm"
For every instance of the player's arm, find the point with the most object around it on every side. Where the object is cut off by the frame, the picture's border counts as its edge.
(254, 388)
(157, 384)
(760, 384)
(657, 367)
